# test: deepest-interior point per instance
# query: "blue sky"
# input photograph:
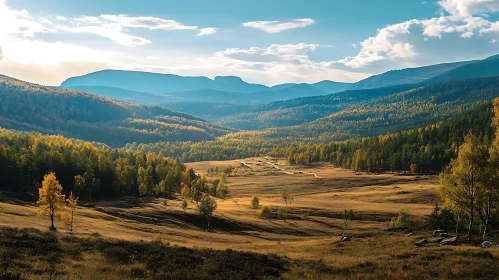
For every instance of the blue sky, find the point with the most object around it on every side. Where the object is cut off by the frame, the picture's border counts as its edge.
(267, 42)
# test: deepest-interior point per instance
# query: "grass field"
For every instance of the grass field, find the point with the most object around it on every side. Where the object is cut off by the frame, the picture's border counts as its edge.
(308, 239)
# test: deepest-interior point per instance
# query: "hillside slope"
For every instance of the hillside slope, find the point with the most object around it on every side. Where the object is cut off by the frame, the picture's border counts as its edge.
(30, 107)
(406, 76)
(488, 67)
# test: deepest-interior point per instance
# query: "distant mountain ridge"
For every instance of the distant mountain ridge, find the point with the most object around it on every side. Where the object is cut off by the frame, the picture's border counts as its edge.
(168, 88)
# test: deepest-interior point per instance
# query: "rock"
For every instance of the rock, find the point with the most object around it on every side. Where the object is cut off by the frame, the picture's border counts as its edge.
(438, 233)
(409, 234)
(436, 240)
(421, 242)
(449, 241)
(488, 244)
(345, 238)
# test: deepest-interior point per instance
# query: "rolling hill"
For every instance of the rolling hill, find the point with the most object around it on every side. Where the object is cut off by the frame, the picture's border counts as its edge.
(76, 114)
(407, 76)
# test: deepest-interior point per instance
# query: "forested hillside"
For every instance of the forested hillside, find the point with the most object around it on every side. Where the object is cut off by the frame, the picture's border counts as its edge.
(82, 168)
(425, 149)
(299, 110)
(488, 67)
(407, 76)
(364, 112)
(398, 112)
(30, 107)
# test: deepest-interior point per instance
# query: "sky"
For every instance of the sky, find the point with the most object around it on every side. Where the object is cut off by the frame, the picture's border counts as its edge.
(261, 41)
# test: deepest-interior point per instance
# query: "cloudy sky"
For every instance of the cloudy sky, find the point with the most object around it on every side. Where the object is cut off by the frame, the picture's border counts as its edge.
(261, 41)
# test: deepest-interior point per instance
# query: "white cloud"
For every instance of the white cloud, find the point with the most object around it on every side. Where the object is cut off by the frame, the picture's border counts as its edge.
(466, 27)
(493, 41)
(466, 8)
(277, 26)
(117, 36)
(18, 22)
(382, 46)
(87, 19)
(151, 23)
(354, 46)
(115, 27)
(207, 31)
(61, 18)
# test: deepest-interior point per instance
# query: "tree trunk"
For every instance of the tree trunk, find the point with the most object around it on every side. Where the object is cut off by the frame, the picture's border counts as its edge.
(457, 221)
(72, 218)
(470, 225)
(489, 198)
(52, 227)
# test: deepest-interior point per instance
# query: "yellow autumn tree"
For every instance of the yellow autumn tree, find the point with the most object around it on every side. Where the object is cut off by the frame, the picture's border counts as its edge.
(72, 201)
(51, 199)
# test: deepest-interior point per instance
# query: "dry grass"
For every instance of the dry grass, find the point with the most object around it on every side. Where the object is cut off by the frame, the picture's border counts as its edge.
(374, 198)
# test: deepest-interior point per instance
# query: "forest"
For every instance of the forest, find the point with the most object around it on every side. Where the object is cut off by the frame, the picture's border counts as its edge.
(87, 170)
(75, 114)
(425, 149)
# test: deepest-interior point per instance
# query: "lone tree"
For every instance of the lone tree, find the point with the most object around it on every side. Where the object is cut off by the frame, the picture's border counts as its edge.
(286, 195)
(184, 205)
(347, 218)
(206, 207)
(255, 202)
(51, 198)
(72, 201)
(463, 182)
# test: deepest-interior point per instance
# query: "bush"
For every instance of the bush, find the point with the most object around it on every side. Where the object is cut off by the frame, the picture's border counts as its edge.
(282, 212)
(255, 202)
(266, 213)
(404, 220)
(441, 219)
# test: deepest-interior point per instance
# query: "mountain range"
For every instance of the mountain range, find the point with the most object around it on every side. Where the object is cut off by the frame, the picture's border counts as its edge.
(154, 88)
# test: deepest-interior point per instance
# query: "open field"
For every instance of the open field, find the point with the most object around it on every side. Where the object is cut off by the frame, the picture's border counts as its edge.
(308, 238)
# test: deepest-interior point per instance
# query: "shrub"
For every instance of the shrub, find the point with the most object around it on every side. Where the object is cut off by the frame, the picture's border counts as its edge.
(404, 220)
(282, 212)
(255, 202)
(266, 213)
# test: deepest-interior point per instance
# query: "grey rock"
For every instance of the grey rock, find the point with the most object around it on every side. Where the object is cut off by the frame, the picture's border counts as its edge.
(449, 241)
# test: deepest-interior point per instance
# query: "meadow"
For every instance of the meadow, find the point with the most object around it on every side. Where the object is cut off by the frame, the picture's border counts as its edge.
(306, 245)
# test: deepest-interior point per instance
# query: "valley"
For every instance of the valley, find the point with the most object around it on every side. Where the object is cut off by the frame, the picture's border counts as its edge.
(128, 172)
(308, 238)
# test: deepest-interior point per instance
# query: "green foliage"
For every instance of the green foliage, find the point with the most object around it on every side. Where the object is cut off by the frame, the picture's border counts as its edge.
(282, 213)
(441, 219)
(222, 190)
(88, 170)
(255, 202)
(404, 220)
(286, 195)
(184, 205)
(266, 213)
(206, 206)
(31, 107)
(426, 149)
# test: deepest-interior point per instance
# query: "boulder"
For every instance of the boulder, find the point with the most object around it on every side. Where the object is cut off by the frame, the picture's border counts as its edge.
(438, 233)
(449, 241)
(345, 238)
(421, 242)
(436, 240)
(409, 234)
(488, 244)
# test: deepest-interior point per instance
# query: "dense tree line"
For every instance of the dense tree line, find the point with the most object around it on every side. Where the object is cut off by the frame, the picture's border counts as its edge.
(30, 107)
(418, 150)
(361, 113)
(87, 170)
(469, 184)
